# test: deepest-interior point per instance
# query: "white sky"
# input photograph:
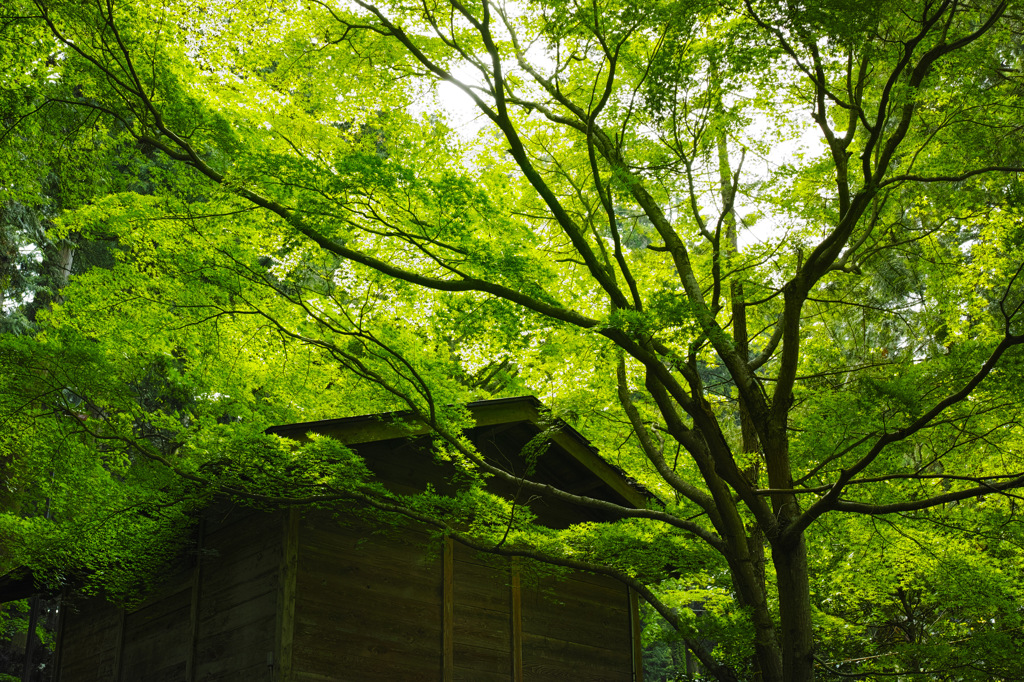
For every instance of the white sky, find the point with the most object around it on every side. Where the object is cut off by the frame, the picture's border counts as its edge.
(466, 120)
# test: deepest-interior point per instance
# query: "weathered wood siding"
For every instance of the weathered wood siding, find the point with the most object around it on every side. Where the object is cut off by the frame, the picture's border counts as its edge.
(482, 618)
(305, 598)
(368, 606)
(156, 639)
(577, 629)
(237, 599)
(91, 634)
(213, 621)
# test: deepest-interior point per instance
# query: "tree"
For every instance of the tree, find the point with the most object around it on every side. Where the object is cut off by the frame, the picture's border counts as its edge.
(812, 351)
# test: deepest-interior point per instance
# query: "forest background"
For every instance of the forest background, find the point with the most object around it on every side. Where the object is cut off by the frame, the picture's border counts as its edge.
(221, 216)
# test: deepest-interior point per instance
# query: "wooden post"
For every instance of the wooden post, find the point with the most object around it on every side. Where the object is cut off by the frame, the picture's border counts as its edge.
(287, 577)
(517, 623)
(62, 619)
(30, 639)
(448, 617)
(193, 614)
(119, 646)
(636, 631)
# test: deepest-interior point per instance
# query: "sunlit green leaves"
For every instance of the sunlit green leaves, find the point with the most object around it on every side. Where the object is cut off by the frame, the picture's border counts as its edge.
(296, 228)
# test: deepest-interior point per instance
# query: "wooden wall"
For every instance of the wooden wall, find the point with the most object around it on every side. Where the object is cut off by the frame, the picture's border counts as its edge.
(509, 626)
(101, 642)
(577, 629)
(482, 617)
(212, 621)
(372, 607)
(308, 599)
(236, 610)
(367, 606)
(91, 632)
(156, 639)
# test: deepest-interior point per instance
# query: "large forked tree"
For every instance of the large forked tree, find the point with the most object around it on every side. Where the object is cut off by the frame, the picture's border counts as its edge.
(768, 254)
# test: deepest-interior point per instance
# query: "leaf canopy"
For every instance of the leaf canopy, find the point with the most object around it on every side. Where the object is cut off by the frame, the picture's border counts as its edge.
(766, 255)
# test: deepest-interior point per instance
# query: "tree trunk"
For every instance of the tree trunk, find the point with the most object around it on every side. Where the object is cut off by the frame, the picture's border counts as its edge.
(794, 610)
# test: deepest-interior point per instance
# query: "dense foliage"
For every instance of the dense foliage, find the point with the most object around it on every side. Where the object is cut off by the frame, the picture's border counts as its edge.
(767, 255)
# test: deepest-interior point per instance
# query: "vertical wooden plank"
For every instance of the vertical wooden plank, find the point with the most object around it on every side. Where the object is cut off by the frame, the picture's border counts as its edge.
(635, 628)
(193, 615)
(58, 645)
(448, 617)
(121, 616)
(285, 636)
(30, 638)
(517, 623)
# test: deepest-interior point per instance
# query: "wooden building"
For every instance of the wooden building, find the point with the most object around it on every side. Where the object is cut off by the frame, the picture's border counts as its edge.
(306, 597)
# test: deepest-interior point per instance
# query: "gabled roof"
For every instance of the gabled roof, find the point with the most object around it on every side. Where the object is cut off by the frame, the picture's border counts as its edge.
(503, 427)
